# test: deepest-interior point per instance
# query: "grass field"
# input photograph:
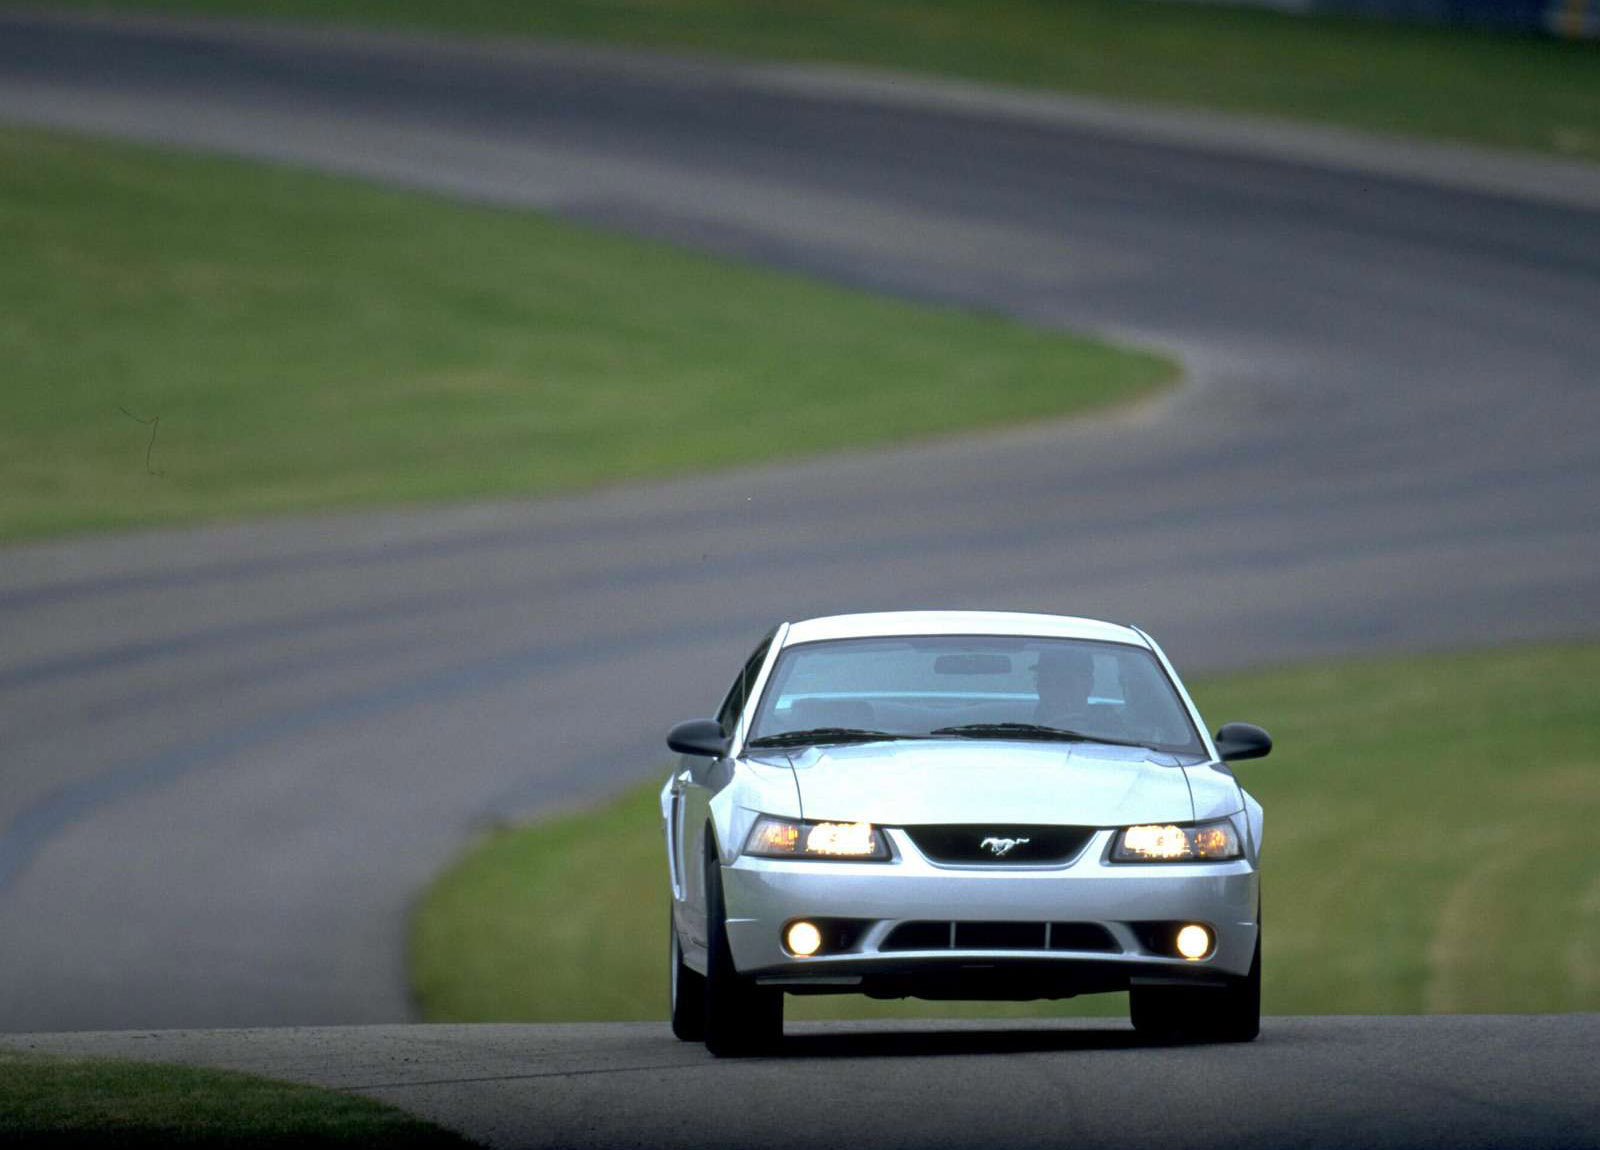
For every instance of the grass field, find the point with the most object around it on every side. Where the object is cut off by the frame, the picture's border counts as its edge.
(1429, 848)
(1507, 90)
(311, 342)
(48, 1103)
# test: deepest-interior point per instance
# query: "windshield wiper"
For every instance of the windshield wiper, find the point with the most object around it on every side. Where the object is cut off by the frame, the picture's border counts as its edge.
(825, 735)
(1029, 731)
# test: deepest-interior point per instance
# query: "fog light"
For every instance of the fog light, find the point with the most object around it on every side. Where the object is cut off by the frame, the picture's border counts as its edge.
(1194, 941)
(803, 939)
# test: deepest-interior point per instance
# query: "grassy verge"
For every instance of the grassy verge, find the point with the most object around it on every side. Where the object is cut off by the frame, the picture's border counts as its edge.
(309, 342)
(81, 1102)
(1429, 849)
(1490, 88)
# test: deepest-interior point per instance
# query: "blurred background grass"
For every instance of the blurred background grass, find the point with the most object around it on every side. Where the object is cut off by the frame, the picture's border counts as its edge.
(1429, 848)
(1487, 87)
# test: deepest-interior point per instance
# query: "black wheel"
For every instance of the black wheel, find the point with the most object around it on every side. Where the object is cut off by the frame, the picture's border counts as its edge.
(687, 991)
(741, 1017)
(1203, 1013)
(1238, 1016)
(1157, 1011)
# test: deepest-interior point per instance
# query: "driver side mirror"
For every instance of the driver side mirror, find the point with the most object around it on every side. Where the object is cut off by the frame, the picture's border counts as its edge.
(1242, 741)
(698, 737)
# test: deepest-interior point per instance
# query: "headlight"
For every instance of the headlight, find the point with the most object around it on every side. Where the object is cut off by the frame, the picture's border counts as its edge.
(1169, 842)
(775, 838)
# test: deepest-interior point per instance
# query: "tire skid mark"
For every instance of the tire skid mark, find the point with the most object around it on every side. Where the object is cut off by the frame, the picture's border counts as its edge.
(776, 558)
(1500, 481)
(31, 829)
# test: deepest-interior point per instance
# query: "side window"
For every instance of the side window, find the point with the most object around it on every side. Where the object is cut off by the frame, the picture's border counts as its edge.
(728, 716)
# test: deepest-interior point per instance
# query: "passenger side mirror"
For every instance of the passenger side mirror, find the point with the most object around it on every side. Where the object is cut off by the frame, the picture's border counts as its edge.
(698, 737)
(1242, 741)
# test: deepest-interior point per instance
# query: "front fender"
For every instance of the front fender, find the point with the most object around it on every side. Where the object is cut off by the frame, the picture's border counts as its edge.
(1257, 818)
(752, 789)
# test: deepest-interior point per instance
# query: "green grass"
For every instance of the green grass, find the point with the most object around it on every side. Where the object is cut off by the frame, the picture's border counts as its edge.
(312, 342)
(1520, 91)
(81, 1102)
(1429, 848)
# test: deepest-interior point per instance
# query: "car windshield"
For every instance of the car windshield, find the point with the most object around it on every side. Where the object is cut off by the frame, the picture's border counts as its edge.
(972, 686)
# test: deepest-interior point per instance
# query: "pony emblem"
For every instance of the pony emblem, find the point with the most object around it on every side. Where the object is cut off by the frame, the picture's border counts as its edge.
(1001, 847)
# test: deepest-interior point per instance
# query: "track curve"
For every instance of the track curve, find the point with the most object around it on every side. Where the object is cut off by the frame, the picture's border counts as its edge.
(234, 754)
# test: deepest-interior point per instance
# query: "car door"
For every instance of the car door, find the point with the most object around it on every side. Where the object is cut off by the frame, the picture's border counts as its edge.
(699, 778)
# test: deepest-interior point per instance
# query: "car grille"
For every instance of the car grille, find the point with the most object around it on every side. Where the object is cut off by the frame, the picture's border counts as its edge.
(1000, 936)
(984, 844)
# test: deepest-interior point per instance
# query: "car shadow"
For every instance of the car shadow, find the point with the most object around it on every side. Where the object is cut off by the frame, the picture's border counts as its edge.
(931, 1042)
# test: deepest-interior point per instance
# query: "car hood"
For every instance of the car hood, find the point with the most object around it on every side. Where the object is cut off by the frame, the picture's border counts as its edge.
(966, 781)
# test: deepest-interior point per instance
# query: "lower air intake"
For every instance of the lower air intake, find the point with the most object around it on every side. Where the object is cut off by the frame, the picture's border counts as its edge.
(1086, 936)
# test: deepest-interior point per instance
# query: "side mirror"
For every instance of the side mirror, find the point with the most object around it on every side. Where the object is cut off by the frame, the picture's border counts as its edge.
(1242, 741)
(698, 737)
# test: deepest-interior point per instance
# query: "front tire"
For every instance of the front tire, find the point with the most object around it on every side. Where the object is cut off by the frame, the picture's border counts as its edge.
(686, 990)
(1204, 1014)
(740, 1017)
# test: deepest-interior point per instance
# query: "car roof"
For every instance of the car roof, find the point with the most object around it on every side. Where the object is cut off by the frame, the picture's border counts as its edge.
(885, 623)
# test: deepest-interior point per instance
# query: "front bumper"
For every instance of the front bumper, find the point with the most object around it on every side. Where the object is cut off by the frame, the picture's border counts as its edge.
(764, 895)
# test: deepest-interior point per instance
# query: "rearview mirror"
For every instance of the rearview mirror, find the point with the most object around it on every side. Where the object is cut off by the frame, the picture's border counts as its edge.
(972, 663)
(698, 737)
(1242, 741)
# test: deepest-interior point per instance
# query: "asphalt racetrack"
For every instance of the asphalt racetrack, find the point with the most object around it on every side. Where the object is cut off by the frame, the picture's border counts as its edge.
(233, 755)
(1454, 1082)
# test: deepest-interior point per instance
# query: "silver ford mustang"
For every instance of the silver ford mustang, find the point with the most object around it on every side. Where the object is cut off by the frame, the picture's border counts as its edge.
(961, 805)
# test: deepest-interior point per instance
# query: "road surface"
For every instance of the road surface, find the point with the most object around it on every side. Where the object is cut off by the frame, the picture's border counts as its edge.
(1452, 1082)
